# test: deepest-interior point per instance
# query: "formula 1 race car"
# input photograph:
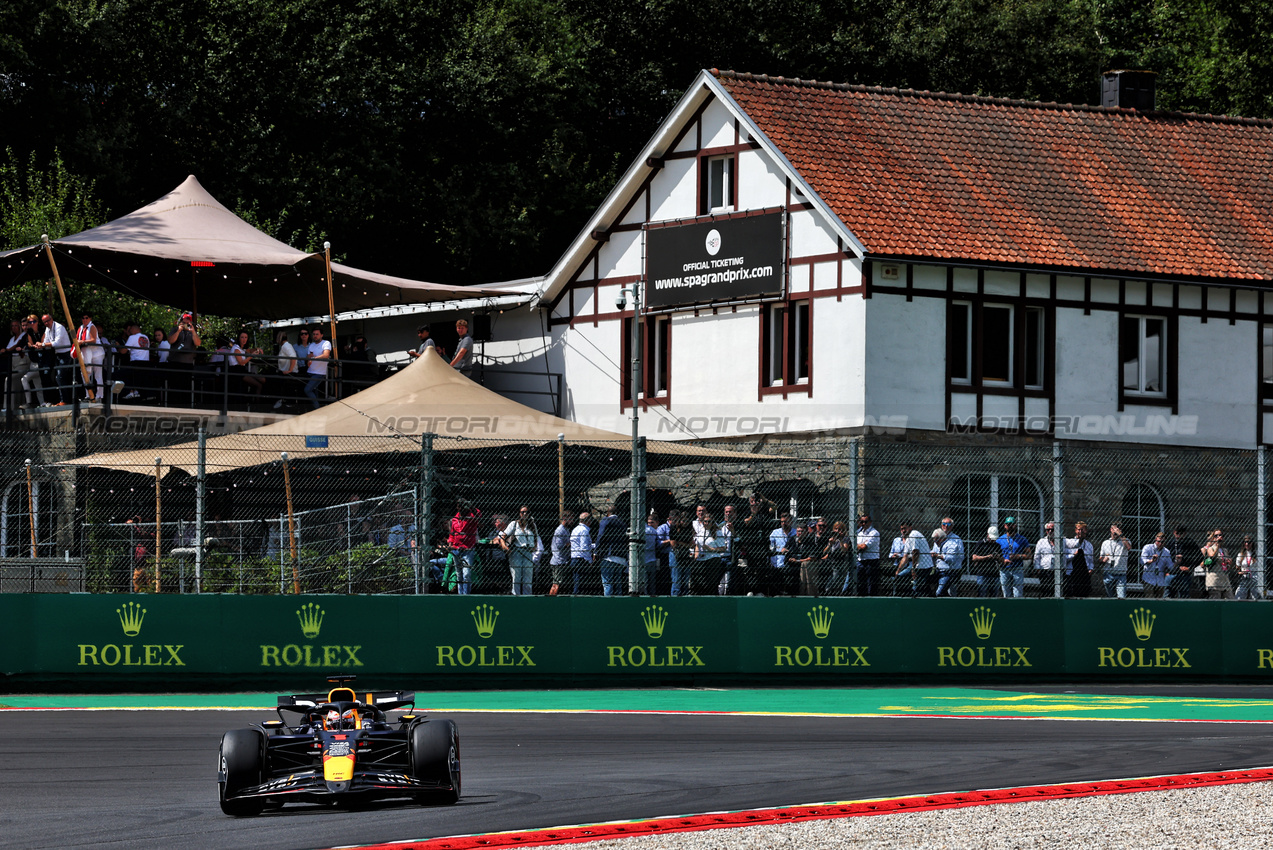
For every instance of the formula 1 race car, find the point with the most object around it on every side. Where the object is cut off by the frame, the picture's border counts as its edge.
(334, 748)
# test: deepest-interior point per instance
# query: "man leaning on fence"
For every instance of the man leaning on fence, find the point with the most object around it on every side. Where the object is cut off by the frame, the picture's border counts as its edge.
(1113, 560)
(1016, 554)
(867, 546)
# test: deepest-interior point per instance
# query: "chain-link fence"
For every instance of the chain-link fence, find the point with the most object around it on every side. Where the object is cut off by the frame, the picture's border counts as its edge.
(404, 514)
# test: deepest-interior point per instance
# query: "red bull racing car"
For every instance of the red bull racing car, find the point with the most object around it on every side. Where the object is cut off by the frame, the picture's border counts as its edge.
(340, 746)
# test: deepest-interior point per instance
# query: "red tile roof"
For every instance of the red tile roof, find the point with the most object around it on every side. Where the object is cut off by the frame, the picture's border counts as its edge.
(926, 174)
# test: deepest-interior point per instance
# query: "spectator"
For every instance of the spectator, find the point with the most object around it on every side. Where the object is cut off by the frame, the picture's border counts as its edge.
(986, 559)
(32, 386)
(521, 542)
(752, 541)
(813, 576)
(709, 555)
(800, 551)
(948, 551)
(1188, 555)
(1216, 564)
(612, 553)
(1079, 563)
(320, 352)
(867, 545)
(681, 553)
(559, 558)
(55, 358)
(463, 359)
(361, 370)
(1016, 553)
(136, 348)
(898, 585)
(727, 531)
(640, 578)
(917, 558)
(92, 353)
(18, 362)
(462, 541)
(781, 544)
(660, 583)
(1113, 560)
(425, 342)
(183, 340)
(288, 367)
(1244, 564)
(581, 551)
(837, 559)
(1045, 558)
(1157, 566)
(244, 365)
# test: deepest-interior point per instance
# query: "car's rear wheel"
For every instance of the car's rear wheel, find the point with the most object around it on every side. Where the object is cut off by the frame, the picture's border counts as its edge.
(435, 757)
(241, 762)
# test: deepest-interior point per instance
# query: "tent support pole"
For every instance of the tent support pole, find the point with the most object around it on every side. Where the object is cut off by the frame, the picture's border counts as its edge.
(331, 310)
(66, 310)
(31, 510)
(291, 527)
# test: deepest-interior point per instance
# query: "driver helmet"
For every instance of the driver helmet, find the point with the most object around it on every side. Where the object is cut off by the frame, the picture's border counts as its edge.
(349, 720)
(332, 720)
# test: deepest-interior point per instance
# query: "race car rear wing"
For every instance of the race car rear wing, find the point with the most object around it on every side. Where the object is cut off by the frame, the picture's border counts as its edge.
(383, 700)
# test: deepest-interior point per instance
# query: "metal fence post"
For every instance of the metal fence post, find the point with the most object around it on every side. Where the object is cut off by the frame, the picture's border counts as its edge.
(1058, 527)
(201, 481)
(1261, 520)
(424, 510)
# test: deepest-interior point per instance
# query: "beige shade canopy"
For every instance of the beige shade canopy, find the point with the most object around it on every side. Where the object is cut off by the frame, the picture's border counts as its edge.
(188, 250)
(428, 396)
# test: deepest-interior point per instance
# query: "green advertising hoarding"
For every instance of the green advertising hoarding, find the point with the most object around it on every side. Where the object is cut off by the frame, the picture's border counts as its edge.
(152, 642)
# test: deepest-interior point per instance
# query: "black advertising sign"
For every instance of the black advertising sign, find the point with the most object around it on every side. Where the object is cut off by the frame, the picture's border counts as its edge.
(722, 260)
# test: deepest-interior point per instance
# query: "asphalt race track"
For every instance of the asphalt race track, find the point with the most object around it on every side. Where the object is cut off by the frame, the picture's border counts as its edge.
(147, 778)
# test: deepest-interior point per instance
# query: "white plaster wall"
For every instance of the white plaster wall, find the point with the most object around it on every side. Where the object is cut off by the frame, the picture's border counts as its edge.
(717, 126)
(905, 359)
(1087, 370)
(809, 236)
(1218, 380)
(760, 184)
(674, 190)
(621, 255)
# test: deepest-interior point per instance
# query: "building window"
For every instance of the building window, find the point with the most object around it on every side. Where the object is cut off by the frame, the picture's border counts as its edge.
(1144, 355)
(656, 360)
(1143, 516)
(1011, 345)
(1266, 363)
(786, 345)
(718, 183)
(979, 501)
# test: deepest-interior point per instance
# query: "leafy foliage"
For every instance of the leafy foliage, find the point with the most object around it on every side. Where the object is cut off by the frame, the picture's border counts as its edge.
(469, 141)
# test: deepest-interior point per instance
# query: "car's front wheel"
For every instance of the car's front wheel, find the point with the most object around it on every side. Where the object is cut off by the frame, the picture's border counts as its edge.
(435, 757)
(241, 763)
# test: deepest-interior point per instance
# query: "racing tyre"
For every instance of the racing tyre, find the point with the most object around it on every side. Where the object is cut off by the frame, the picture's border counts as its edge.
(435, 757)
(241, 762)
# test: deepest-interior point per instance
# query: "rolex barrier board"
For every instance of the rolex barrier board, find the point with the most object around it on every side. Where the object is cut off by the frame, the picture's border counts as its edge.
(148, 642)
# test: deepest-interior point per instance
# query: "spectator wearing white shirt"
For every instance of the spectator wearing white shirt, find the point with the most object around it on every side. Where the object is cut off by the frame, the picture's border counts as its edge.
(948, 550)
(917, 560)
(320, 352)
(1113, 560)
(1156, 565)
(55, 358)
(1080, 561)
(867, 546)
(581, 549)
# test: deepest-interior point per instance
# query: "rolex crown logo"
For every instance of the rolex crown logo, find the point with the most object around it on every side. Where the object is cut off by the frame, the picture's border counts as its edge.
(1143, 622)
(130, 617)
(311, 617)
(655, 618)
(484, 617)
(983, 620)
(820, 618)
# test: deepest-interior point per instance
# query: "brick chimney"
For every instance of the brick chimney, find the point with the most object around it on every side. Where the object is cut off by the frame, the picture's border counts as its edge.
(1128, 89)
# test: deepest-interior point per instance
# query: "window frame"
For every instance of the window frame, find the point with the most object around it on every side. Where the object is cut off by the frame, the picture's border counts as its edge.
(970, 351)
(656, 337)
(1168, 360)
(782, 375)
(729, 193)
(998, 507)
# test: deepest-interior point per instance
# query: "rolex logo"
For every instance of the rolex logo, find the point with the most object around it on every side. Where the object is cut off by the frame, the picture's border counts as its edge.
(820, 618)
(130, 617)
(1143, 623)
(654, 617)
(484, 617)
(983, 620)
(311, 617)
